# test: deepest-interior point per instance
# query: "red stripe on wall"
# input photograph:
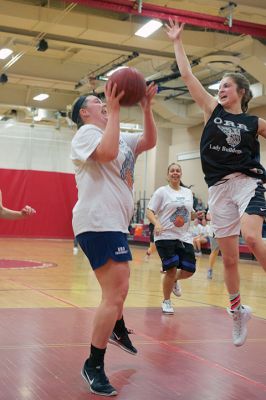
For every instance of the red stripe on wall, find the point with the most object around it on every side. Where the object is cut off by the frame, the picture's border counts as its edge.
(52, 194)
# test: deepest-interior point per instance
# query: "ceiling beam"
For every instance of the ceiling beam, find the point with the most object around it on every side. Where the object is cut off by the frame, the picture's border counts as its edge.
(189, 17)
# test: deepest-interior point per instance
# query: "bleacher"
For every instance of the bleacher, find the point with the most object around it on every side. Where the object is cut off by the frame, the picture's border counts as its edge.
(140, 235)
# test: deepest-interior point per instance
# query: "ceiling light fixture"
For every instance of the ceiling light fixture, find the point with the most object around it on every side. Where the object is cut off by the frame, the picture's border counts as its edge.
(41, 97)
(149, 28)
(4, 53)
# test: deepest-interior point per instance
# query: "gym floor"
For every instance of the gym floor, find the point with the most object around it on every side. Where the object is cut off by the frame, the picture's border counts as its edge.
(47, 302)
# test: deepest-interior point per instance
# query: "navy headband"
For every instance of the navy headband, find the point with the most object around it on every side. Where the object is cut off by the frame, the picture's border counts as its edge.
(76, 108)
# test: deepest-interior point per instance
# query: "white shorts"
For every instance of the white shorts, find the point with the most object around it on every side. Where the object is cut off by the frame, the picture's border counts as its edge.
(228, 200)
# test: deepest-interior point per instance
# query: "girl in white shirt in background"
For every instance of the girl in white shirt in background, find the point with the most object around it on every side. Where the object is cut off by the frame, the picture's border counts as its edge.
(170, 210)
(202, 237)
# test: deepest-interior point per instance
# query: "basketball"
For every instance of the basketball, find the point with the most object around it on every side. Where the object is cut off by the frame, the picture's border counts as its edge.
(132, 82)
(179, 221)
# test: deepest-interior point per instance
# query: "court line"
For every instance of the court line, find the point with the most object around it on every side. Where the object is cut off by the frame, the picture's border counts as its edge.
(45, 294)
(205, 361)
(162, 343)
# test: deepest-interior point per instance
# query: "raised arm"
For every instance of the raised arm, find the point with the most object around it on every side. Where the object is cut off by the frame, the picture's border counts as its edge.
(204, 100)
(149, 137)
(6, 213)
(108, 148)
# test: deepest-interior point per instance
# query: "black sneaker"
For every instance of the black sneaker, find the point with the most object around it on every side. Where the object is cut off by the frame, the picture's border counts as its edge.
(97, 380)
(123, 342)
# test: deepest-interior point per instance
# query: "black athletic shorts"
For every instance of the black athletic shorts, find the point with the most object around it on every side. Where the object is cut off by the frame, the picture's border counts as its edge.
(175, 253)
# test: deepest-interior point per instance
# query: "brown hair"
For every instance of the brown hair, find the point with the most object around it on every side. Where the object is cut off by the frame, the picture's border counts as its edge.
(242, 83)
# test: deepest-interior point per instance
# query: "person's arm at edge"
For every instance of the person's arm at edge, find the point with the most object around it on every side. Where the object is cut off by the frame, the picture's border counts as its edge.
(6, 213)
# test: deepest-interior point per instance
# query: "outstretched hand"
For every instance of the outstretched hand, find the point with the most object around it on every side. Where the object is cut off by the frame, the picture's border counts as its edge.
(174, 29)
(27, 211)
(151, 91)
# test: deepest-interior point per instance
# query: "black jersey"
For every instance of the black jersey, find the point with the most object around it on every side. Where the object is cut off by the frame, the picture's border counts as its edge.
(229, 143)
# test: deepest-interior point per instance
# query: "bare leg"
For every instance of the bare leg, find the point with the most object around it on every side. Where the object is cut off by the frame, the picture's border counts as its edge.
(212, 257)
(197, 244)
(114, 279)
(181, 274)
(251, 228)
(239, 314)
(152, 248)
(230, 254)
(168, 282)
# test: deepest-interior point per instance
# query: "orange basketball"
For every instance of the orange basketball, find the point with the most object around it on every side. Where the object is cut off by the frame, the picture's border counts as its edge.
(132, 82)
(179, 221)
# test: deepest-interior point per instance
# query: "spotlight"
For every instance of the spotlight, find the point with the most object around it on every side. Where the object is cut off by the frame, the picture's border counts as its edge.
(42, 45)
(3, 78)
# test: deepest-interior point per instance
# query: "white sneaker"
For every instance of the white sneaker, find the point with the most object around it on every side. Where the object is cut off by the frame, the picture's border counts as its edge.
(198, 253)
(167, 307)
(177, 289)
(75, 251)
(240, 319)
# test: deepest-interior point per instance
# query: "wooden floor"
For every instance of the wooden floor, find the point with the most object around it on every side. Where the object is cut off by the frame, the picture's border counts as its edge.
(45, 323)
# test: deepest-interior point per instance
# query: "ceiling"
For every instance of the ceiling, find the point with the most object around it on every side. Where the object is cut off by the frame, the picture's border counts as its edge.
(87, 39)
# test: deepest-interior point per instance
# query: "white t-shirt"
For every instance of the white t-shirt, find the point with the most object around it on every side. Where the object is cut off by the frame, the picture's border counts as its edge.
(206, 230)
(105, 199)
(172, 208)
(195, 230)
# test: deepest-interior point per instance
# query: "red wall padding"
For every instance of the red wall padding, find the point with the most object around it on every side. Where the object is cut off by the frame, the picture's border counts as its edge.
(52, 194)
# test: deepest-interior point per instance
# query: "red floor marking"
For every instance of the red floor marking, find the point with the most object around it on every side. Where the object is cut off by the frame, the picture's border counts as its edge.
(204, 360)
(164, 344)
(24, 264)
(45, 294)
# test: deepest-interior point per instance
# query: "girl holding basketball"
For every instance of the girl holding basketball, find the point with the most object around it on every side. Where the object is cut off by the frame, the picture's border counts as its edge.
(170, 210)
(230, 160)
(104, 167)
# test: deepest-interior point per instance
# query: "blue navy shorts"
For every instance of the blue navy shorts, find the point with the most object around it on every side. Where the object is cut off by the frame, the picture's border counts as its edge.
(99, 247)
(257, 204)
(176, 254)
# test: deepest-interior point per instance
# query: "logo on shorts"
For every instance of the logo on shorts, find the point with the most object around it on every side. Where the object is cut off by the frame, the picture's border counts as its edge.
(121, 250)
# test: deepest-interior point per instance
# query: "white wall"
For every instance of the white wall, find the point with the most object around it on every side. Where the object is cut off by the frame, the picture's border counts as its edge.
(40, 148)
(185, 141)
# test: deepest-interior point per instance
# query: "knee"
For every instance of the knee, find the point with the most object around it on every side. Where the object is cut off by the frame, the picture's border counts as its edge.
(171, 273)
(230, 261)
(123, 291)
(251, 240)
(117, 296)
(187, 274)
